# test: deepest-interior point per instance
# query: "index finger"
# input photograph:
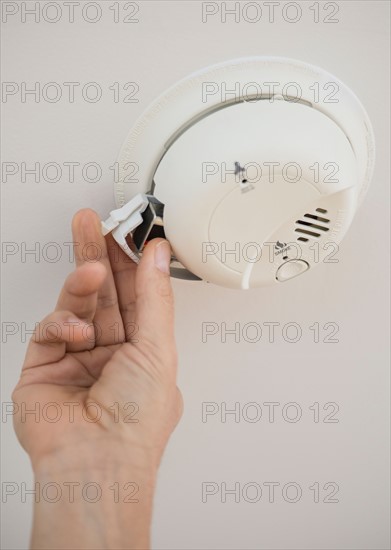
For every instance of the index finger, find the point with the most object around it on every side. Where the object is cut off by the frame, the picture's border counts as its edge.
(91, 247)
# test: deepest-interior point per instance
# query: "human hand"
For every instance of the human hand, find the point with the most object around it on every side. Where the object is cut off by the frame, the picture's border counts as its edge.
(109, 342)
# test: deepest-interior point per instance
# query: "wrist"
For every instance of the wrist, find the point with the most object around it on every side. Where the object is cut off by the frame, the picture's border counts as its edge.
(105, 499)
(102, 458)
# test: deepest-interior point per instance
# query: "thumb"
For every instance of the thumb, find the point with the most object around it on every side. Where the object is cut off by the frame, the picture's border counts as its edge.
(155, 300)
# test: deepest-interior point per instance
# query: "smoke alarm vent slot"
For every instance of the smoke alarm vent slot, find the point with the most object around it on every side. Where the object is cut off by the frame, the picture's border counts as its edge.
(314, 225)
(313, 229)
(311, 233)
(319, 218)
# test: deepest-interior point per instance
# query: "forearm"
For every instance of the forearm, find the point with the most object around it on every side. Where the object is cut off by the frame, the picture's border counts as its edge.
(107, 507)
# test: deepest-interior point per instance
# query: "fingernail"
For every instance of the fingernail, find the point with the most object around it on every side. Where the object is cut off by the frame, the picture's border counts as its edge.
(163, 256)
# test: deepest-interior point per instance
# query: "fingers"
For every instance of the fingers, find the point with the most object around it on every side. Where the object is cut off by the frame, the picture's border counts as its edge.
(80, 291)
(51, 336)
(80, 295)
(155, 302)
(91, 247)
(124, 273)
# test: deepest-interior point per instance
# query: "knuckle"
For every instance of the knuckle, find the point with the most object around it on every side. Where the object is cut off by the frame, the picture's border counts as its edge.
(165, 292)
(106, 301)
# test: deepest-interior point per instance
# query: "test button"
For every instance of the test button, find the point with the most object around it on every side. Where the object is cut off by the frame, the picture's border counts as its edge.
(290, 269)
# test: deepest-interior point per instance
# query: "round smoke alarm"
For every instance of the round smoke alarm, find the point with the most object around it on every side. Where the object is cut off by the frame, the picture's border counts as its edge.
(253, 169)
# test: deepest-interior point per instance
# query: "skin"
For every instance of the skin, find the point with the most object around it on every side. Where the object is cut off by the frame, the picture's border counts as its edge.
(77, 357)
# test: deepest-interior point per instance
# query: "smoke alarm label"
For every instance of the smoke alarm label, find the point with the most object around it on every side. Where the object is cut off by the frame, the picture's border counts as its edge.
(280, 248)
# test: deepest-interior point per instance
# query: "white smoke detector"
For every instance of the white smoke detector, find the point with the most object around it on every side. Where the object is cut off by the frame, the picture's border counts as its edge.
(253, 169)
